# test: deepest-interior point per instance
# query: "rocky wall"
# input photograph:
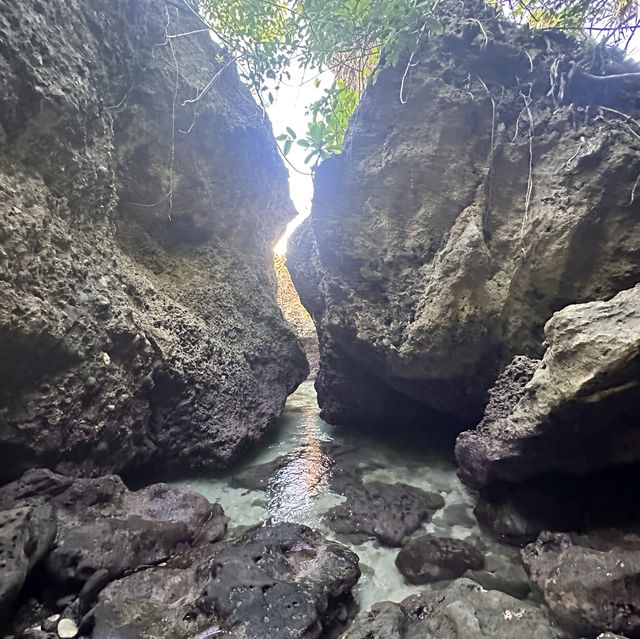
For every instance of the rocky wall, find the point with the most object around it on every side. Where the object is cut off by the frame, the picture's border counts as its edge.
(140, 195)
(482, 187)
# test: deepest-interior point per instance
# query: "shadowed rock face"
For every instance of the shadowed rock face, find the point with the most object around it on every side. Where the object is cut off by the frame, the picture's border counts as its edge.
(86, 532)
(138, 322)
(427, 262)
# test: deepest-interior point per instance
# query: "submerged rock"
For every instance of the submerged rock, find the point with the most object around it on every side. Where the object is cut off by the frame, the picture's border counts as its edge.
(464, 610)
(578, 412)
(504, 573)
(388, 512)
(281, 582)
(434, 254)
(591, 582)
(138, 323)
(426, 559)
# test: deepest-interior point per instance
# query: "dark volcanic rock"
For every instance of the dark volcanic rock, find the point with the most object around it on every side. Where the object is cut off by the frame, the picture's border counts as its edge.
(280, 582)
(26, 536)
(388, 512)
(427, 262)
(138, 321)
(427, 558)
(464, 610)
(578, 413)
(591, 583)
(103, 526)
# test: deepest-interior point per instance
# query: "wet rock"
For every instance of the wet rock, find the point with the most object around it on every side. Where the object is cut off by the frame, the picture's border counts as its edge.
(424, 264)
(518, 517)
(463, 610)
(27, 534)
(426, 559)
(388, 512)
(578, 413)
(139, 330)
(590, 582)
(102, 526)
(281, 582)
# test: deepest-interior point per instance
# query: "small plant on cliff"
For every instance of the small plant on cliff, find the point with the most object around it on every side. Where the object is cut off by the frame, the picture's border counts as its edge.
(354, 39)
(351, 38)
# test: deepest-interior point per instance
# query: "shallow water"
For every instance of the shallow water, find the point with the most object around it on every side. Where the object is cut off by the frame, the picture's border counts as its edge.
(299, 492)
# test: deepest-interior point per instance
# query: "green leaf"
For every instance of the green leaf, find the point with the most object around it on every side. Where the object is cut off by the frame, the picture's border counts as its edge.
(304, 144)
(291, 132)
(287, 147)
(282, 137)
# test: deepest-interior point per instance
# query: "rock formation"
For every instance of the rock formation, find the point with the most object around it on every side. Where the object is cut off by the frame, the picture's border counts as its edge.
(461, 611)
(591, 583)
(577, 409)
(116, 563)
(428, 558)
(139, 200)
(481, 189)
(82, 528)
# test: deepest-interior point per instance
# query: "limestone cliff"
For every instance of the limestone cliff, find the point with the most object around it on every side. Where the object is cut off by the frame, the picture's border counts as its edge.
(482, 187)
(575, 411)
(138, 322)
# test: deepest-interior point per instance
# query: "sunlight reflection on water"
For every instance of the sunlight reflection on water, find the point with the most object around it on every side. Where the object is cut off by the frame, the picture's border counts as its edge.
(293, 489)
(299, 490)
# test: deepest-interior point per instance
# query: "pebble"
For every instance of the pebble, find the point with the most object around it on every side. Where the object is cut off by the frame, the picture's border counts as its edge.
(67, 629)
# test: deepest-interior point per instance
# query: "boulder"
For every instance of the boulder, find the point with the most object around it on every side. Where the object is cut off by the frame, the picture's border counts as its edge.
(388, 512)
(578, 412)
(102, 526)
(425, 559)
(453, 225)
(590, 582)
(281, 582)
(139, 328)
(464, 610)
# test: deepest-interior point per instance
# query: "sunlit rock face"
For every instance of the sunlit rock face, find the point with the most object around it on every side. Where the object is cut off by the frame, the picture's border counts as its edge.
(452, 226)
(575, 411)
(138, 322)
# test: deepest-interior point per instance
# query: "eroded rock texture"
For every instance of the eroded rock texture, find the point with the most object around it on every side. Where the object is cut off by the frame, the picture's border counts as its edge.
(461, 611)
(87, 532)
(591, 583)
(138, 324)
(453, 225)
(577, 413)
(281, 582)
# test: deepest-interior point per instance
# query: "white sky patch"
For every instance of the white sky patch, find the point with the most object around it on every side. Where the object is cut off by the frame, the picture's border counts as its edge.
(289, 110)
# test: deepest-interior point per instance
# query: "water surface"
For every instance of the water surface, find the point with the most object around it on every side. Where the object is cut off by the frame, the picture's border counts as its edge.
(300, 492)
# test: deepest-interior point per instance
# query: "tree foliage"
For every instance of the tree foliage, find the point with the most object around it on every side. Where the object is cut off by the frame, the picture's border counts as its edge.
(356, 38)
